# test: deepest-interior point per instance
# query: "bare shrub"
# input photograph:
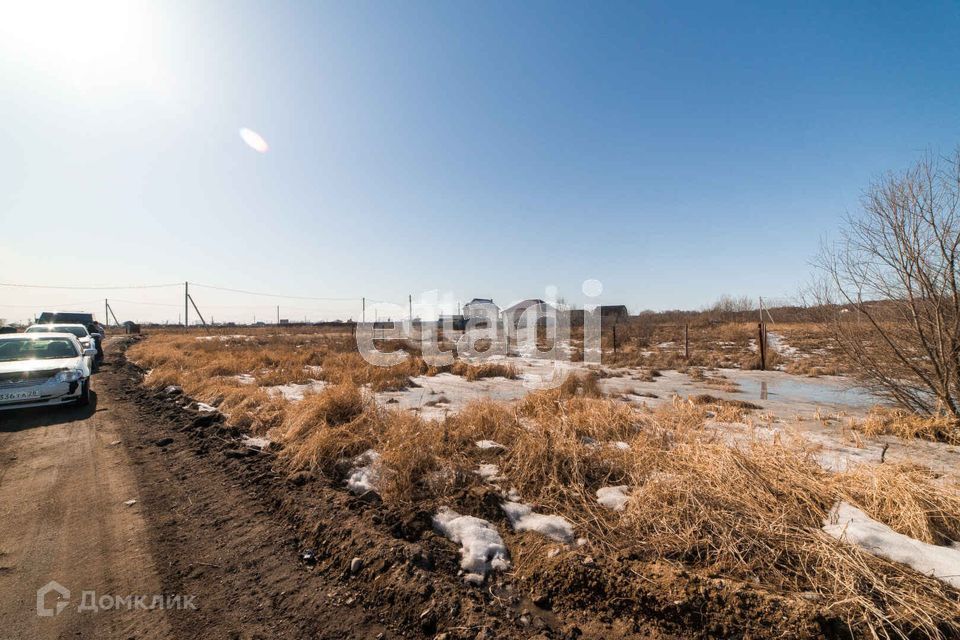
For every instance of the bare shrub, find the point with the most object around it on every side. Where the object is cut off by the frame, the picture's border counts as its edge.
(891, 290)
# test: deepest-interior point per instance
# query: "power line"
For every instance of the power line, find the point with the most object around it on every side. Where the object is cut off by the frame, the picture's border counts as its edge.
(151, 304)
(272, 295)
(44, 286)
(61, 305)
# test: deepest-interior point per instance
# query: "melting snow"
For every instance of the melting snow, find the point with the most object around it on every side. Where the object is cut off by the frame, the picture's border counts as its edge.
(295, 392)
(481, 546)
(245, 378)
(203, 407)
(489, 444)
(524, 518)
(255, 443)
(848, 523)
(488, 472)
(364, 477)
(613, 497)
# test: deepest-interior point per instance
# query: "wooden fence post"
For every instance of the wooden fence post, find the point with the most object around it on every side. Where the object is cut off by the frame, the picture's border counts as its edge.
(763, 347)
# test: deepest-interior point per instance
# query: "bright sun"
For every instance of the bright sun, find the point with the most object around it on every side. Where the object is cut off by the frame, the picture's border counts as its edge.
(93, 46)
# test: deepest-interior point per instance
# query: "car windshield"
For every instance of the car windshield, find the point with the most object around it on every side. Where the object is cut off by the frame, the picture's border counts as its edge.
(80, 332)
(37, 349)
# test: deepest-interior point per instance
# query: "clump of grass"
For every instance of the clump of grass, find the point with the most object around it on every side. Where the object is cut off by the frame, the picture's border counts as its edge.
(585, 385)
(903, 424)
(325, 428)
(810, 368)
(473, 372)
(908, 499)
(707, 399)
(752, 361)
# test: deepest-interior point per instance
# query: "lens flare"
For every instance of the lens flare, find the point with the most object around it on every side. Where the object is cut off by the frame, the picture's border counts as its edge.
(254, 140)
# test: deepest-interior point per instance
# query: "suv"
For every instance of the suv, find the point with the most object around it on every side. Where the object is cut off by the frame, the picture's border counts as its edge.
(70, 317)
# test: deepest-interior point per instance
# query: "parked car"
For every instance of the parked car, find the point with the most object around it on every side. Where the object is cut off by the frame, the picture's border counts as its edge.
(43, 369)
(81, 332)
(97, 330)
(8, 329)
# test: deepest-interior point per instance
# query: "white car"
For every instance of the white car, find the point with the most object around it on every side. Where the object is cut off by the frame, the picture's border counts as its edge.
(83, 335)
(43, 369)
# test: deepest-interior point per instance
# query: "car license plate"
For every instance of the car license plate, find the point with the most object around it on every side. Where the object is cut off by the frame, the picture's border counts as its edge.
(7, 396)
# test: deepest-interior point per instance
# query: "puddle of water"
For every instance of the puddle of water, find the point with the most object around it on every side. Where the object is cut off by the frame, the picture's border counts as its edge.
(812, 391)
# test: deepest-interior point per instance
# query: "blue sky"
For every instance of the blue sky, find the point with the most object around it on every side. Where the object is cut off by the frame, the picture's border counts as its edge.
(675, 152)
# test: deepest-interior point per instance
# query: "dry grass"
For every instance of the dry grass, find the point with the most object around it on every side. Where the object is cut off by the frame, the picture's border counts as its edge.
(209, 368)
(473, 372)
(752, 512)
(903, 424)
(647, 343)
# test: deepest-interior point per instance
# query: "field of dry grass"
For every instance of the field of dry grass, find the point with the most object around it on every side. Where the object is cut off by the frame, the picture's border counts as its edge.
(751, 512)
(806, 347)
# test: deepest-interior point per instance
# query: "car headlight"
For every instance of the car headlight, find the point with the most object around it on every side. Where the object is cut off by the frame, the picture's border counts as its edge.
(69, 376)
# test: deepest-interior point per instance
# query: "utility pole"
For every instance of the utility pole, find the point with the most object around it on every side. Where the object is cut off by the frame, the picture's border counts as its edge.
(195, 308)
(410, 305)
(278, 314)
(107, 312)
(186, 304)
(363, 312)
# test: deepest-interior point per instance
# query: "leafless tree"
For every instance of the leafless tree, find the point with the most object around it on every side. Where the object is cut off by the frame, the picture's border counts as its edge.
(890, 287)
(727, 307)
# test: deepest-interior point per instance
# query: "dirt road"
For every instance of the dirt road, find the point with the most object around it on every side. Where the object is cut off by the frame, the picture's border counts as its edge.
(66, 477)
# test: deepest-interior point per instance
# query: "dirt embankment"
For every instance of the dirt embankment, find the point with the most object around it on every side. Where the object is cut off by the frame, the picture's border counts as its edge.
(268, 554)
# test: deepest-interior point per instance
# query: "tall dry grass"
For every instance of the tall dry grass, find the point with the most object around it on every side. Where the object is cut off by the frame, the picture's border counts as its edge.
(908, 425)
(753, 512)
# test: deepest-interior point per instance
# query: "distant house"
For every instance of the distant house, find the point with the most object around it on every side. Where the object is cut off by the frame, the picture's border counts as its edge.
(613, 313)
(520, 315)
(130, 327)
(481, 308)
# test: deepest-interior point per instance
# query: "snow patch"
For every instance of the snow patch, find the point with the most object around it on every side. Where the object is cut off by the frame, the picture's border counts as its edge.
(481, 546)
(255, 443)
(203, 407)
(489, 444)
(852, 525)
(295, 392)
(613, 497)
(523, 518)
(488, 472)
(364, 477)
(245, 378)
